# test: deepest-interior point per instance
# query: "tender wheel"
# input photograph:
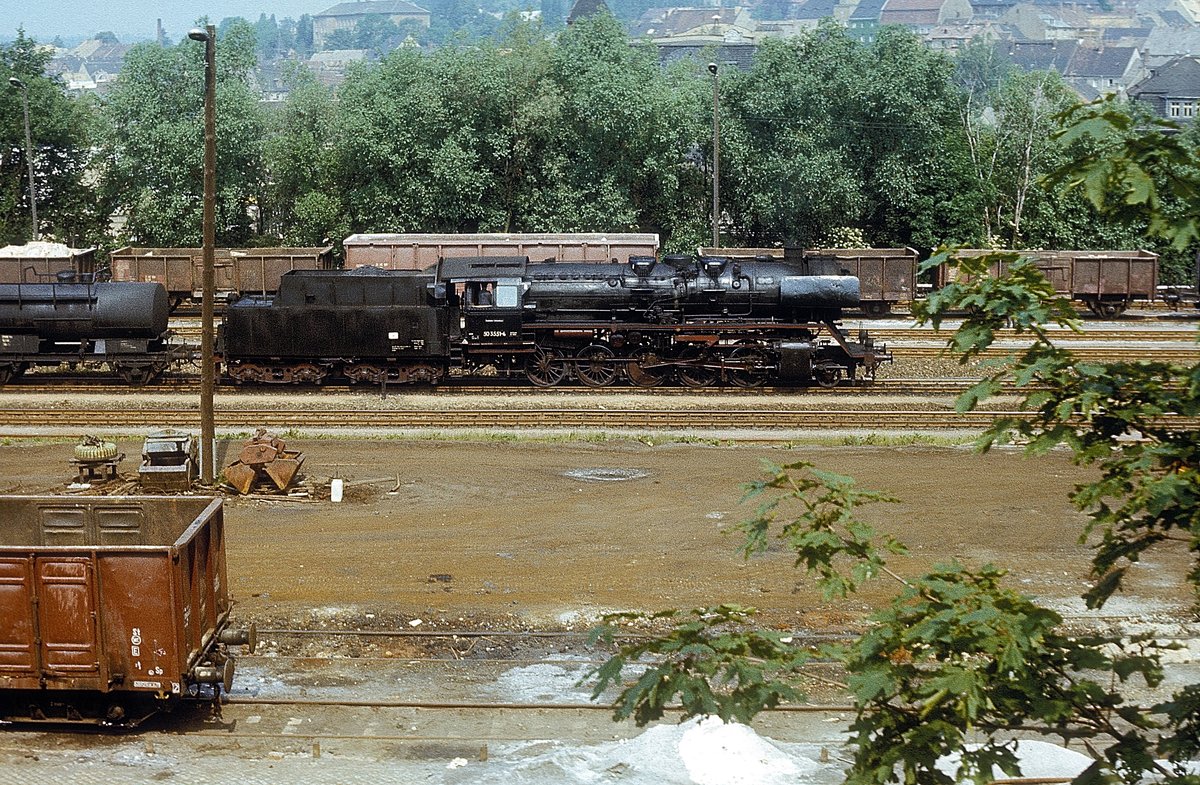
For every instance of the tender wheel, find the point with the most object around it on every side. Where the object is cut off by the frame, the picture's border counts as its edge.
(748, 366)
(828, 377)
(692, 372)
(594, 365)
(646, 368)
(308, 373)
(545, 367)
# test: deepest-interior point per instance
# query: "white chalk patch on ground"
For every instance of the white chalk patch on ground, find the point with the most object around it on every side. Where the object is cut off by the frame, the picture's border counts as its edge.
(1037, 759)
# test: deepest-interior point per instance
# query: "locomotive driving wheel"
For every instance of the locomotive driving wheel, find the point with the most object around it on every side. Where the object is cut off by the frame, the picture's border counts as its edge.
(545, 367)
(692, 370)
(748, 366)
(646, 368)
(594, 365)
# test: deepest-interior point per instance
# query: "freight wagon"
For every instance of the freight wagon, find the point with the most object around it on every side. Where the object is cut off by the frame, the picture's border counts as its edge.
(1107, 282)
(423, 251)
(112, 608)
(886, 275)
(239, 271)
(45, 262)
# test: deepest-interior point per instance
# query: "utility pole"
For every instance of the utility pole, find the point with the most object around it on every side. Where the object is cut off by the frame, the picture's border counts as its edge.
(208, 434)
(716, 177)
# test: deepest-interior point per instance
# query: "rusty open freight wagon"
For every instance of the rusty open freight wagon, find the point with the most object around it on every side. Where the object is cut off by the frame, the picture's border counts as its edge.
(112, 608)
(236, 271)
(421, 251)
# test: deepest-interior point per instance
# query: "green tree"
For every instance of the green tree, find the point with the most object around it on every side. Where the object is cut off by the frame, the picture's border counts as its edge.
(824, 131)
(63, 131)
(303, 204)
(153, 168)
(957, 656)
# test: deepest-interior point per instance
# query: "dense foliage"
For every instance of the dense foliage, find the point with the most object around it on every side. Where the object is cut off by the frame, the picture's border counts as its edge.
(958, 661)
(530, 128)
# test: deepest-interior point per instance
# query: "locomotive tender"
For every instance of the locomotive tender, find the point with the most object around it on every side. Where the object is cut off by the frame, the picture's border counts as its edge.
(696, 321)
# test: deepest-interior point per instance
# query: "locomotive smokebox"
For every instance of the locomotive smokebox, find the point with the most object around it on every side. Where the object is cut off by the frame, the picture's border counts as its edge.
(819, 291)
(67, 311)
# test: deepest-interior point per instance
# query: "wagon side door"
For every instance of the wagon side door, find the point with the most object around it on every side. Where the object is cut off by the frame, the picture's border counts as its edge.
(66, 613)
(18, 634)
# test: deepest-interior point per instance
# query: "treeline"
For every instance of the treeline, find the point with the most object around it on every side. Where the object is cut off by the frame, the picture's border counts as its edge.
(824, 142)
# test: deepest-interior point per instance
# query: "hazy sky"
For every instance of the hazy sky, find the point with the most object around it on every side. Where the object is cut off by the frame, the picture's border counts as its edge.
(134, 19)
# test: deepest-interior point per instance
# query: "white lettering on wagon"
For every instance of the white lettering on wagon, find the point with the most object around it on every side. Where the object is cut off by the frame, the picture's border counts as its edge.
(152, 684)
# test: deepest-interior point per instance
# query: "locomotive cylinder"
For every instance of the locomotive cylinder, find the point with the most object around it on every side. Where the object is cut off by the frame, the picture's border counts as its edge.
(66, 311)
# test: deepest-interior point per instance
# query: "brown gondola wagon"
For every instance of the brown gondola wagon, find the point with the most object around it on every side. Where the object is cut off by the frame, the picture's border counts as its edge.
(112, 608)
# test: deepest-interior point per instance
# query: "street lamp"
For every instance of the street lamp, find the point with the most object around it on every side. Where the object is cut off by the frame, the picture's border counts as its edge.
(18, 84)
(716, 206)
(208, 435)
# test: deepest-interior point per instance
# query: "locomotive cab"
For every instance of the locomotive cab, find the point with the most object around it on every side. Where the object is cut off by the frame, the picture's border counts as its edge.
(489, 292)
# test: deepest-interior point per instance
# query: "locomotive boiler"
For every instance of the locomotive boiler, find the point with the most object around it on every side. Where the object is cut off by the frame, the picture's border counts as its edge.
(695, 322)
(123, 325)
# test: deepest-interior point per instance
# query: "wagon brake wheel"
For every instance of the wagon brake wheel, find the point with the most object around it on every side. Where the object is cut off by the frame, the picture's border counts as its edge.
(646, 368)
(545, 367)
(692, 372)
(828, 376)
(594, 365)
(748, 370)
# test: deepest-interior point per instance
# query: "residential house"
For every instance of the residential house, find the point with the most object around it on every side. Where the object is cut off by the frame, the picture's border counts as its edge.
(699, 25)
(330, 66)
(1165, 44)
(346, 16)
(922, 16)
(863, 23)
(1172, 90)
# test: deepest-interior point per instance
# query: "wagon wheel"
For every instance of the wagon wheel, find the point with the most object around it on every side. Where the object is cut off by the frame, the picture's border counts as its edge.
(692, 371)
(646, 368)
(545, 367)
(828, 376)
(749, 366)
(137, 375)
(877, 308)
(594, 365)
(6, 372)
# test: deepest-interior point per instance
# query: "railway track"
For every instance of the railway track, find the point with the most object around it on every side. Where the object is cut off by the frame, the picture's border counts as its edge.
(45, 384)
(518, 419)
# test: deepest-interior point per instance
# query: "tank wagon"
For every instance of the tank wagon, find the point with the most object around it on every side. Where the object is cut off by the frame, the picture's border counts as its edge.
(697, 322)
(238, 271)
(1106, 282)
(112, 608)
(886, 275)
(45, 262)
(423, 251)
(121, 325)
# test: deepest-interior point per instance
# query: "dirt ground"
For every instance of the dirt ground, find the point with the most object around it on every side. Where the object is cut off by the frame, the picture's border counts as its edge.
(553, 534)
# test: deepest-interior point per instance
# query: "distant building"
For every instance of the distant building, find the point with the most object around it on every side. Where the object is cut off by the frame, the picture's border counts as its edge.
(585, 8)
(346, 16)
(700, 25)
(739, 56)
(90, 67)
(1092, 70)
(922, 16)
(1172, 90)
(330, 65)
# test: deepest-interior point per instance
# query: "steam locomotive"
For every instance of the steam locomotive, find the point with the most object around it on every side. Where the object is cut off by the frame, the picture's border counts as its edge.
(697, 321)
